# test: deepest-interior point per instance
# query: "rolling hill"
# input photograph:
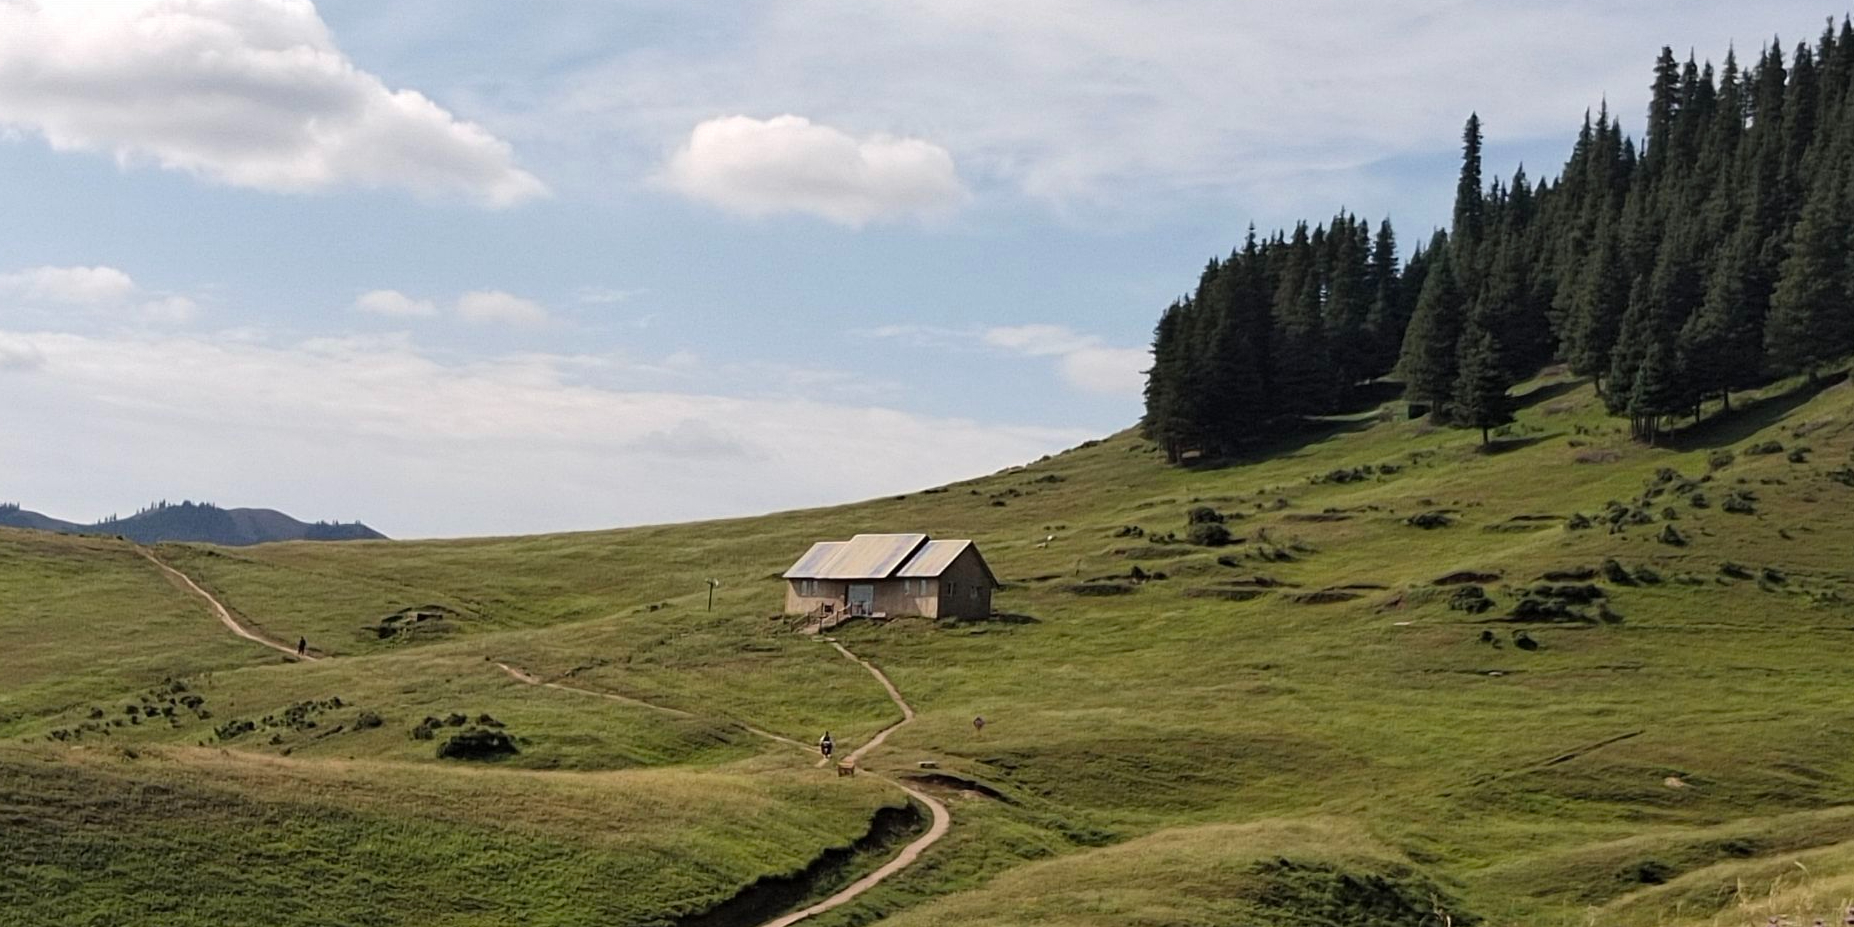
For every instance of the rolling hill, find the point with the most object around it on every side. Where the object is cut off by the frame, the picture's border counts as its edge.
(1571, 679)
(196, 522)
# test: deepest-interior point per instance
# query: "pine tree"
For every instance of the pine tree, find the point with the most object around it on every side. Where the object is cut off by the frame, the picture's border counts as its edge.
(1479, 398)
(1428, 365)
(1595, 318)
(1387, 318)
(1810, 314)
(1721, 345)
(1656, 392)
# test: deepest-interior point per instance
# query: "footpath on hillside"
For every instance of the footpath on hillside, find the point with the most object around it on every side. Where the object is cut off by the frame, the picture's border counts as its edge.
(942, 819)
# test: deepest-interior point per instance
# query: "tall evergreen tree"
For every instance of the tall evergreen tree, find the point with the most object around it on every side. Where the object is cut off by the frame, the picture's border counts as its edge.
(1810, 316)
(1428, 365)
(1479, 398)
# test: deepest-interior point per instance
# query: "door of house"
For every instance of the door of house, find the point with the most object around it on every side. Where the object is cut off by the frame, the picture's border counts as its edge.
(862, 599)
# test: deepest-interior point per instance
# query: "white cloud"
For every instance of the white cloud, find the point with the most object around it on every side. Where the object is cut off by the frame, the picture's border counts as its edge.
(394, 303)
(98, 290)
(1084, 361)
(757, 167)
(70, 285)
(252, 93)
(488, 306)
(605, 295)
(171, 310)
(376, 429)
(16, 353)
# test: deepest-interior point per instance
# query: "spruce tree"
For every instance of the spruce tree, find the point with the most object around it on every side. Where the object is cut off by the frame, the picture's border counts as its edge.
(1595, 317)
(1810, 315)
(1656, 392)
(1480, 399)
(1428, 364)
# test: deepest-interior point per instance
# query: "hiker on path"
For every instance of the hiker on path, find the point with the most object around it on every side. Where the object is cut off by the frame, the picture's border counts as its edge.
(826, 745)
(302, 646)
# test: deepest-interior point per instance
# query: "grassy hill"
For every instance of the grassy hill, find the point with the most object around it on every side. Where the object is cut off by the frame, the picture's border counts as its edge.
(1574, 680)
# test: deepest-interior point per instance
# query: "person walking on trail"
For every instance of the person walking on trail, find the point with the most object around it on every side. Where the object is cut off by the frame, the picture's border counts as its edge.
(826, 745)
(302, 646)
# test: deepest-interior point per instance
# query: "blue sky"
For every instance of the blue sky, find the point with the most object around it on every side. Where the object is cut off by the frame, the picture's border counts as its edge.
(465, 266)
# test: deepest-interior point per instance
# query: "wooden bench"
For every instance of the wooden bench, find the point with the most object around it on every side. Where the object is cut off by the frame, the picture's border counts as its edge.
(846, 767)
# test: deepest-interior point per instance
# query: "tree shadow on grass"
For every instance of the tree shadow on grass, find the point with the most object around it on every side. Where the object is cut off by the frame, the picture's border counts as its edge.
(1285, 439)
(1509, 445)
(1727, 428)
(1547, 393)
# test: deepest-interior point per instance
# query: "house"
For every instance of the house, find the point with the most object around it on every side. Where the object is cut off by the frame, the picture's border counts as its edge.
(891, 575)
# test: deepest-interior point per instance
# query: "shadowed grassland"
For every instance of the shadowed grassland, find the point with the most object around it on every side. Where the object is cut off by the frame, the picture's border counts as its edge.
(1605, 677)
(200, 837)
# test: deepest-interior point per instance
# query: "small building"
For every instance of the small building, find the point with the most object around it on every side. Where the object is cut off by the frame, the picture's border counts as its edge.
(890, 575)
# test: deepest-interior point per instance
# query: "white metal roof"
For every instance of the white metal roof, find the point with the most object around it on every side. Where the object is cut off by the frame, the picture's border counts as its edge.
(865, 556)
(933, 559)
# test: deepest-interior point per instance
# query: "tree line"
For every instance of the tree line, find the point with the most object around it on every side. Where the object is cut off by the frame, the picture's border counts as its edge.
(1709, 257)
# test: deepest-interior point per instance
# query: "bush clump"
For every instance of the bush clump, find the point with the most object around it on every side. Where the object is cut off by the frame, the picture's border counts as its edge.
(1203, 515)
(367, 720)
(1740, 502)
(1470, 599)
(1429, 520)
(477, 744)
(1763, 448)
(1209, 534)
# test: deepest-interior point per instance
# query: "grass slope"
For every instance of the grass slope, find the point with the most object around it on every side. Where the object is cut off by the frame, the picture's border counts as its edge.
(1271, 726)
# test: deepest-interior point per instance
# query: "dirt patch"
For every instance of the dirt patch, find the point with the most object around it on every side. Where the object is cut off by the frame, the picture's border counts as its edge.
(1467, 577)
(1099, 589)
(954, 783)
(1324, 597)
(1572, 575)
(1226, 594)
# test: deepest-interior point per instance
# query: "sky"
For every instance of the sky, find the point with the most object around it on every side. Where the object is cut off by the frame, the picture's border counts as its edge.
(469, 267)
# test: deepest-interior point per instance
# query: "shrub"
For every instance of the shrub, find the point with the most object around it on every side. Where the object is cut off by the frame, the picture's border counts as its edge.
(1671, 536)
(1209, 534)
(477, 744)
(1203, 515)
(1740, 503)
(1470, 599)
(1764, 447)
(1429, 520)
(1613, 571)
(367, 721)
(1719, 460)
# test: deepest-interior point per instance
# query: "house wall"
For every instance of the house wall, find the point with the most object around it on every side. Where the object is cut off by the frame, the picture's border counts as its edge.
(829, 592)
(898, 597)
(965, 589)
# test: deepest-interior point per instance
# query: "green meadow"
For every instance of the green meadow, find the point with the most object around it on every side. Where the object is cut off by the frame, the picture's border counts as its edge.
(1573, 680)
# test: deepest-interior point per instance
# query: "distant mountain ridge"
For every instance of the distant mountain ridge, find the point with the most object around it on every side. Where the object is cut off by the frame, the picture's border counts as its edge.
(199, 522)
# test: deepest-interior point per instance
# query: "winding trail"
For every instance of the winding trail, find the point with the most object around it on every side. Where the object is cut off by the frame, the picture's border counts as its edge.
(219, 609)
(942, 819)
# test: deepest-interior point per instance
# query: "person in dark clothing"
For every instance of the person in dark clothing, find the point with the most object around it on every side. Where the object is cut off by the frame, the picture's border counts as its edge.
(826, 745)
(302, 646)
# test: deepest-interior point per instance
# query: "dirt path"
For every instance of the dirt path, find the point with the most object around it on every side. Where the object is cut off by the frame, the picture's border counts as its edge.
(941, 822)
(219, 609)
(894, 694)
(942, 819)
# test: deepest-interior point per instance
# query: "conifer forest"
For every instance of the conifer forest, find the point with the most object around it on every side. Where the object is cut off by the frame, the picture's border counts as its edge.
(1709, 257)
